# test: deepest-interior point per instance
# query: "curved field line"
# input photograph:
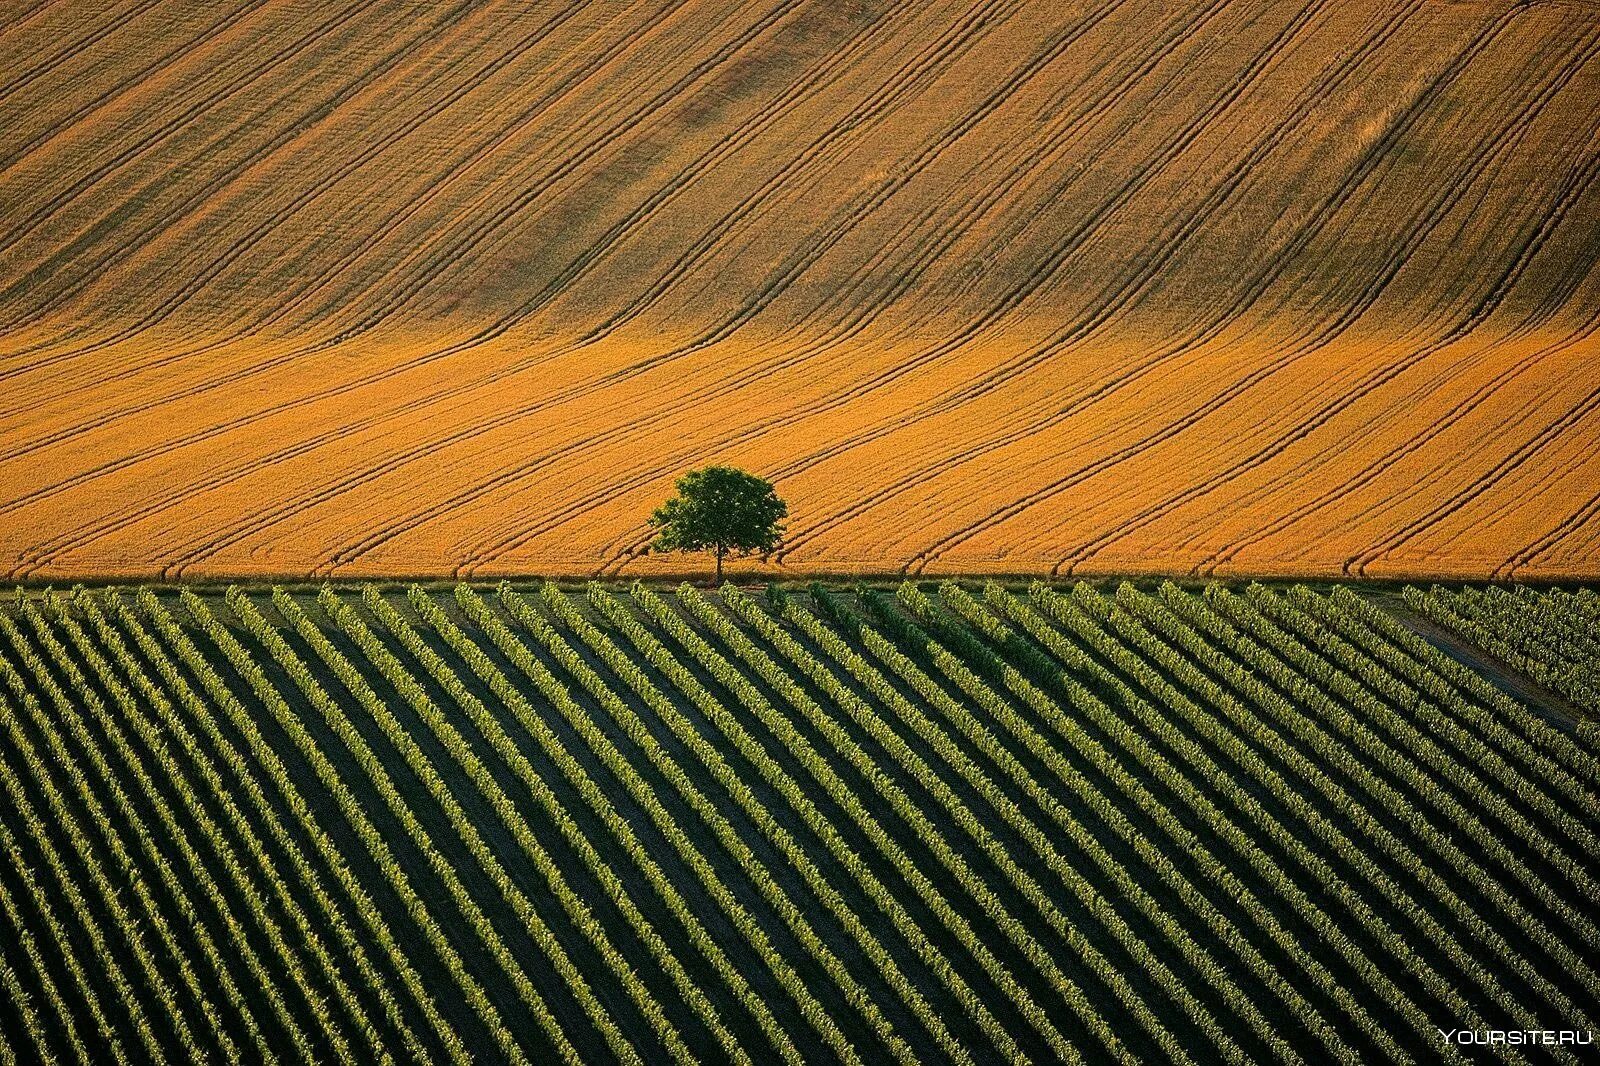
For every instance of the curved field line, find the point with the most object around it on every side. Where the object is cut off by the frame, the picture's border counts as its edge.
(1077, 237)
(1231, 184)
(1562, 472)
(853, 392)
(73, 253)
(429, 259)
(716, 334)
(1573, 521)
(281, 309)
(814, 156)
(196, 280)
(1577, 184)
(130, 331)
(572, 393)
(797, 262)
(1475, 489)
(27, 16)
(1565, 200)
(456, 172)
(1318, 418)
(1031, 358)
(664, 195)
(1063, 125)
(977, 13)
(258, 160)
(470, 341)
(237, 423)
(48, 61)
(506, 322)
(66, 333)
(1526, 557)
(1369, 163)
(241, 80)
(796, 466)
(845, 311)
(909, 76)
(1375, 468)
(959, 396)
(1435, 427)
(528, 534)
(481, 336)
(230, 20)
(1576, 415)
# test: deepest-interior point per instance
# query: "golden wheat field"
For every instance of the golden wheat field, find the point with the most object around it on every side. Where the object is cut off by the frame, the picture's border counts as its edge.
(370, 287)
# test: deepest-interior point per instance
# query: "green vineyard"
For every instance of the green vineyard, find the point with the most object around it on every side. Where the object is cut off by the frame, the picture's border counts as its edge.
(956, 823)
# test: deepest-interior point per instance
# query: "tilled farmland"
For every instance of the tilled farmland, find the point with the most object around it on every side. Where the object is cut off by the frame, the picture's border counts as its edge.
(451, 289)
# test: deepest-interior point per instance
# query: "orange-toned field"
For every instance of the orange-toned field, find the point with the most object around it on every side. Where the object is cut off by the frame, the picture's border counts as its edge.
(403, 287)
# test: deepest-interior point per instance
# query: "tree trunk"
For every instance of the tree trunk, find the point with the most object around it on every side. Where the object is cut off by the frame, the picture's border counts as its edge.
(720, 550)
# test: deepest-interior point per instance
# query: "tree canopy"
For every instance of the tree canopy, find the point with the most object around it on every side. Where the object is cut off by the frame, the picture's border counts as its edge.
(722, 510)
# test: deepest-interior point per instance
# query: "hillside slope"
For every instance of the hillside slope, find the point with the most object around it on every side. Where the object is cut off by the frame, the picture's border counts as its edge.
(1261, 286)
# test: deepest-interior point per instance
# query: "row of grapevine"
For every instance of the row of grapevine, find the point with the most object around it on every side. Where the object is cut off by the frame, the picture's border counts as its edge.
(110, 830)
(464, 830)
(1475, 697)
(1553, 637)
(634, 679)
(967, 726)
(1180, 840)
(1448, 705)
(904, 756)
(1339, 671)
(199, 868)
(468, 906)
(111, 1037)
(1364, 909)
(478, 714)
(241, 828)
(1136, 794)
(799, 801)
(1201, 634)
(1451, 751)
(1262, 665)
(70, 871)
(22, 1003)
(551, 745)
(855, 825)
(378, 848)
(1320, 738)
(926, 831)
(1152, 722)
(39, 983)
(332, 891)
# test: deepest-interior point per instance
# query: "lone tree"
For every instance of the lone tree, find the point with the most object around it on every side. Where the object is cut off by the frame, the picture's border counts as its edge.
(722, 510)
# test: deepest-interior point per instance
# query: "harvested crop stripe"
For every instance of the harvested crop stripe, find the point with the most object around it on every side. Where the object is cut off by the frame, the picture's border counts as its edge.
(1223, 286)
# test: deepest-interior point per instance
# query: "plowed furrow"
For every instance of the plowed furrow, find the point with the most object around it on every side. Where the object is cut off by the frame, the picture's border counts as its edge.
(1008, 370)
(370, 322)
(42, 64)
(1418, 230)
(230, 18)
(1186, 285)
(199, 277)
(74, 253)
(1547, 222)
(295, 299)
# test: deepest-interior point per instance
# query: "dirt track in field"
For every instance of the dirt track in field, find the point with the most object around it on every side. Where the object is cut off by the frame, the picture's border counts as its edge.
(1236, 286)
